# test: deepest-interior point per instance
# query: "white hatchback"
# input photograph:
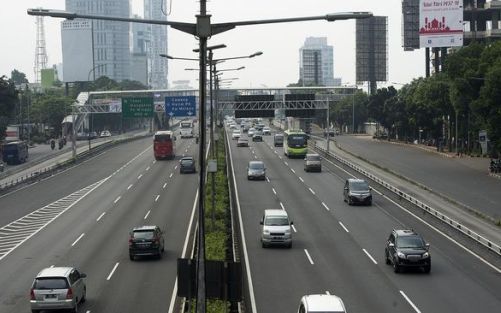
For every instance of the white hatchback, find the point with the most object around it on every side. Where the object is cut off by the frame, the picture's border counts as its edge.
(321, 303)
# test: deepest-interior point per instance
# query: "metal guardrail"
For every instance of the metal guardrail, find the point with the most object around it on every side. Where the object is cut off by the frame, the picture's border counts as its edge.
(496, 248)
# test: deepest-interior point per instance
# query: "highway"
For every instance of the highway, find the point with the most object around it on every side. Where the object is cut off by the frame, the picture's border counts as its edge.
(82, 218)
(110, 193)
(339, 249)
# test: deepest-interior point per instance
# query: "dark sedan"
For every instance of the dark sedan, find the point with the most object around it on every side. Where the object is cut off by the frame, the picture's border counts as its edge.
(187, 165)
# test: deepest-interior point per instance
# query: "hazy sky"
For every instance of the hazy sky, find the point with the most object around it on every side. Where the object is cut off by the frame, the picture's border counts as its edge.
(280, 43)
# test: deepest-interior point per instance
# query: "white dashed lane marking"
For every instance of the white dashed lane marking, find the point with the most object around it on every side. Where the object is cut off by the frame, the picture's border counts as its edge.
(309, 257)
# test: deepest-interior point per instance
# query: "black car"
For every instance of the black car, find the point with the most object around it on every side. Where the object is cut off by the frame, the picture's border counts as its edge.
(145, 241)
(357, 191)
(258, 136)
(407, 249)
(187, 165)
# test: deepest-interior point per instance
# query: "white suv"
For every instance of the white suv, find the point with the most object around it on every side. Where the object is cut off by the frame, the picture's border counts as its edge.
(276, 228)
(321, 303)
(58, 288)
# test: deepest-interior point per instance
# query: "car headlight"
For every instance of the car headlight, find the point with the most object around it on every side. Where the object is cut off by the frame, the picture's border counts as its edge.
(401, 255)
(266, 232)
(426, 255)
(287, 231)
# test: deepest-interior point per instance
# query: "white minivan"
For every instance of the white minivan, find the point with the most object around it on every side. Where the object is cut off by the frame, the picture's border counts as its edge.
(276, 228)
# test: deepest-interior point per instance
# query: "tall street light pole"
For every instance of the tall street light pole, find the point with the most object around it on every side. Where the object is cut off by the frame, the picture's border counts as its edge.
(202, 29)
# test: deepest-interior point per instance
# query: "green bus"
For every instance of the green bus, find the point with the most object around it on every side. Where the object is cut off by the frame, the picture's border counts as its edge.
(295, 143)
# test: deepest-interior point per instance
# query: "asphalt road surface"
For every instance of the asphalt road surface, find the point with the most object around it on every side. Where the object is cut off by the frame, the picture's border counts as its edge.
(339, 249)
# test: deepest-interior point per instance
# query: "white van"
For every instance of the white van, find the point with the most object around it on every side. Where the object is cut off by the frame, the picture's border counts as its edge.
(276, 228)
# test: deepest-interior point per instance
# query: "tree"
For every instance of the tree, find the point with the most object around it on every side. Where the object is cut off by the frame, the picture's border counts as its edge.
(51, 110)
(8, 102)
(18, 77)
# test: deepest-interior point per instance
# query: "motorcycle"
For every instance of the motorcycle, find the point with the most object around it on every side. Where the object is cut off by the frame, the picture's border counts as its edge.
(61, 144)
(495, 166)
(52, 144)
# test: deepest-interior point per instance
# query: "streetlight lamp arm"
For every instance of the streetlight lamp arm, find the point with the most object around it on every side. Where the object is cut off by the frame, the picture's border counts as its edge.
(222, 27)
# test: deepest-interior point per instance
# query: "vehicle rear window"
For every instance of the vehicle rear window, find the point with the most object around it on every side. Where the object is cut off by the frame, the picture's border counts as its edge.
(10, 148)
(187, 161)
(50, 283)
(256, 166)
(162, 138)
(144, 234)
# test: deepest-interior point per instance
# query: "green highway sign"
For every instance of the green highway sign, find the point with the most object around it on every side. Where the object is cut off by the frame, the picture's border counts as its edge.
(137, 107)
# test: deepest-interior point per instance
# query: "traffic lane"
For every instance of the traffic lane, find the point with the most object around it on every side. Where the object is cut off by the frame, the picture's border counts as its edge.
(332, 249)
(444, 175)
(299, 205)
(146, 284)
(49, 247)
(452, 268)
(21, 202)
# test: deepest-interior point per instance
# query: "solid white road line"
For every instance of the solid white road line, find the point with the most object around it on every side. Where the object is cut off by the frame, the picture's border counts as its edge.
(370, 256)
(282, 206)
(273, 189)
(344, 227)
(165, 185)
(302, 180)
(311, 190)
(148, 213)
(410, 302)
(117, 199)
(112, 271)
(294, 228)
(325, 206)
(309, 257)
(139, 177)
(100, 216)
(183, 254)
(130, 186)
(244, 243)
(79, 237)
(156, 199)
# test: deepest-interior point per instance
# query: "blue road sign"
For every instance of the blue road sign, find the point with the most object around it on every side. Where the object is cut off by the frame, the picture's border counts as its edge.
(180, 106)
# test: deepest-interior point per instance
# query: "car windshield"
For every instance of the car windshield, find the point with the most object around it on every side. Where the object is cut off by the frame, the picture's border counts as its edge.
(144, 234)
(359, 186)
(296, 140)
(276, 221)
(410, 242)
(50, 283)
(256, 166)
(313, 157)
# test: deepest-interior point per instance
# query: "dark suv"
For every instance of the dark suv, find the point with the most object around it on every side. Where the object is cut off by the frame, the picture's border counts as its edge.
(357, 191)
(407, 249)
(146, 240)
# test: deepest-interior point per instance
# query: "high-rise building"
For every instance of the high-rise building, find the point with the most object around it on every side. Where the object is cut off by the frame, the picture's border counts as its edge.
(140, 45)
(316, 62)
(111, 40)
(156, 10)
